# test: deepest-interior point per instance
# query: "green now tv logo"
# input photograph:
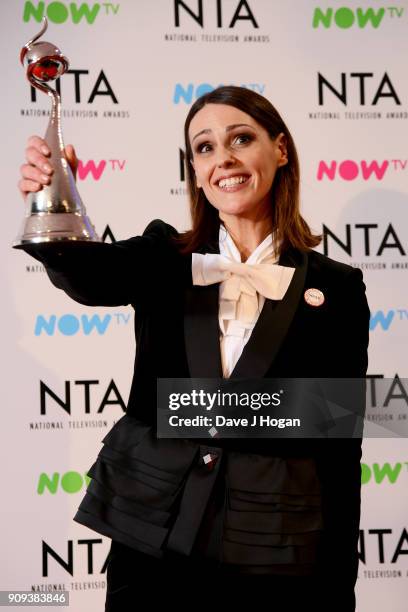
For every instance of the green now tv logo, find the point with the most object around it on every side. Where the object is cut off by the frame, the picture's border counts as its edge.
(345, 17)
(73, 482)
(60, 12)
(379, 473)
(69, 482)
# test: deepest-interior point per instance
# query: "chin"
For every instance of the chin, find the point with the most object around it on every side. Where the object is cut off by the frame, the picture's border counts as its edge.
(235, 209)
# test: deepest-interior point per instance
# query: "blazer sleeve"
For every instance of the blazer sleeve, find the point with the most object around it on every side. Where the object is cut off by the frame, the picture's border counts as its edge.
(339, 460)
(111, 274)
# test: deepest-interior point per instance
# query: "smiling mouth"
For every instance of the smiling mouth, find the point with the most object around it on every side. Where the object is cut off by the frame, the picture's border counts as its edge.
(233, 183)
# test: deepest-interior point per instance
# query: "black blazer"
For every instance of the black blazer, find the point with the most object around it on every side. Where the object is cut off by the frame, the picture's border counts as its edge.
(285, 506)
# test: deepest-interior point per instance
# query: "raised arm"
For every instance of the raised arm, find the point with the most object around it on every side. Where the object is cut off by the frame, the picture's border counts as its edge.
(101, 274)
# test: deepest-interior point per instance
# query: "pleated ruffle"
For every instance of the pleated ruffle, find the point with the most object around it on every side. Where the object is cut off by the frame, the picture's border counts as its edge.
(152, 495)
(273, 512)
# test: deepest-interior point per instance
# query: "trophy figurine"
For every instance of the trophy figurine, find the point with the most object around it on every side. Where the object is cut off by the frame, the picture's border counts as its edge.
(56, 213)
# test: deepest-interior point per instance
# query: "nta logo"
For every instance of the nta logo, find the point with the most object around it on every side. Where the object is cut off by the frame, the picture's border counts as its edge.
(386, 549)
(60, 12)
(385, 88)
(79, 397)
(84, 549)
(69, 324)
(101, 87)
(363, 233)
(345, 17)
(242, 12)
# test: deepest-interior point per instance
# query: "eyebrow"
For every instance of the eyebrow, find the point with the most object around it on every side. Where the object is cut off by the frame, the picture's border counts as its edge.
(227, 129)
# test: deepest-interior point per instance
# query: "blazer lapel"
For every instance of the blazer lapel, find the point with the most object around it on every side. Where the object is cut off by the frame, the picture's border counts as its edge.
(201, 332)
(273, 323)
(201, 329)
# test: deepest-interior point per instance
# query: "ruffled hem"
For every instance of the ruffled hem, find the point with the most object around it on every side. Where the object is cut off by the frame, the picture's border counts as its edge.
(239, 509)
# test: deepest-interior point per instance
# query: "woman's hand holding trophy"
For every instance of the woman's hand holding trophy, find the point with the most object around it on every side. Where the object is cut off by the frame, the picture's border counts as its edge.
(37, 171)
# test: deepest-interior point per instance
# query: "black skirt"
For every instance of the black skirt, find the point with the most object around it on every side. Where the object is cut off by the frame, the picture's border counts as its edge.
(135, 579)
(245, 524)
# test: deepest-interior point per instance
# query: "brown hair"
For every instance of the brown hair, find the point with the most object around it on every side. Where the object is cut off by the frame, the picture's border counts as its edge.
(291, 230)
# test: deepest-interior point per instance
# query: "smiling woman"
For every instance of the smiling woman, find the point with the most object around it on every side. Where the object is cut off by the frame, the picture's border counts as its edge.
(228, 161)
(230, 298)
(241, 160)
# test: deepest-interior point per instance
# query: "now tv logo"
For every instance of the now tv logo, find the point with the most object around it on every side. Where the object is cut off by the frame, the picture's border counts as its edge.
(384, 319)
(382, 472)
(345, 17)
(190, 92)
(95, 169)
(69, 482)
(349, 170)
(71, 325)
(60, 12)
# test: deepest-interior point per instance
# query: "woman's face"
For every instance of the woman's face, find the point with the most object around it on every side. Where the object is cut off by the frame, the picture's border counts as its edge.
(234, 159)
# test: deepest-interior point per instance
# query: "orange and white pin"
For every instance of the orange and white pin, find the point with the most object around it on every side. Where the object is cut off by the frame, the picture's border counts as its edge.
(314, 297)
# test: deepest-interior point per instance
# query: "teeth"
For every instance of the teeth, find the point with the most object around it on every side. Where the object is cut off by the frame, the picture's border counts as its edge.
(234, 180)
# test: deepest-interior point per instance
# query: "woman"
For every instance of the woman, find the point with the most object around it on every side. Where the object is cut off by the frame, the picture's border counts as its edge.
(284, 510)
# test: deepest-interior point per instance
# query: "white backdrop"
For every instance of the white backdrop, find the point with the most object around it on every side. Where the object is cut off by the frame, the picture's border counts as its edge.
(337, 73)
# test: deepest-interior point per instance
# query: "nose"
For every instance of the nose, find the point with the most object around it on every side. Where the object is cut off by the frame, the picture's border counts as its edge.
(225, 159)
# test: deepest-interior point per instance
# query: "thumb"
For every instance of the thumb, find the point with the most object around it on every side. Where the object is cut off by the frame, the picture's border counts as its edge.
(72, 158)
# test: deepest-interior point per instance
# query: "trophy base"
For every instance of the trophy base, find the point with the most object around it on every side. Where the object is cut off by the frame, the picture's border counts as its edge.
(53, 227)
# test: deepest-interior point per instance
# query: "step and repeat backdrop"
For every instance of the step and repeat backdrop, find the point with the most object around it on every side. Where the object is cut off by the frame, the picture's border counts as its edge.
(337, 73)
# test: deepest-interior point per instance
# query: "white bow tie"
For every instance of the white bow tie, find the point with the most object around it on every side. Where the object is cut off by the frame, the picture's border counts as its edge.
(240, 282)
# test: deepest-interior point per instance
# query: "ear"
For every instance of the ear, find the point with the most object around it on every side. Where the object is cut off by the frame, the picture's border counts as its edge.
(281, 143)
(197, 183)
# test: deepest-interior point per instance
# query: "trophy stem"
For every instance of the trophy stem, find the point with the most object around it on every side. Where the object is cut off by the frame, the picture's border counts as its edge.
(53, 135)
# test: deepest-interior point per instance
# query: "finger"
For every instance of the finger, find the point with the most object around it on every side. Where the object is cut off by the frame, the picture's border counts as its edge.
(72, 158)
(38, 143)
(38, 160)
(34, 174)
(70, 151)
(26, 186)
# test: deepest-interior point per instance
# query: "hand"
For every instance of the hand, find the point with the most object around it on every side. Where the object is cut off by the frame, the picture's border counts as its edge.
(38, 170)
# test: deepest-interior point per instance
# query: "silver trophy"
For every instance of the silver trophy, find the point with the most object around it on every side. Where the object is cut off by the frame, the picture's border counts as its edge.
(56, 213)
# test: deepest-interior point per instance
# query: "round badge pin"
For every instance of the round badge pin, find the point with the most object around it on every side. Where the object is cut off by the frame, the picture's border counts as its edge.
(314, 297)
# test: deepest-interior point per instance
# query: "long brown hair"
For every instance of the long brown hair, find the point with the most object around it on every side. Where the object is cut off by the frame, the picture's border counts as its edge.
(290, 229)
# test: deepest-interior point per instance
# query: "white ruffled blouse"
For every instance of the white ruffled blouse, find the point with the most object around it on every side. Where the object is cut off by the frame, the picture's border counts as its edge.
(240, 304)
(241, 290)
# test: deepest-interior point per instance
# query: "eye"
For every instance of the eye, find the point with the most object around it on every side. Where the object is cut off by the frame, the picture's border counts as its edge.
(200, 148)
(246, 137)
(243, 138)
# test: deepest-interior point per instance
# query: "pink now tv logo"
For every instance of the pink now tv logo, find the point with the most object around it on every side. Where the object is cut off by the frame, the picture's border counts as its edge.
(95, 169)
(349, 170)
